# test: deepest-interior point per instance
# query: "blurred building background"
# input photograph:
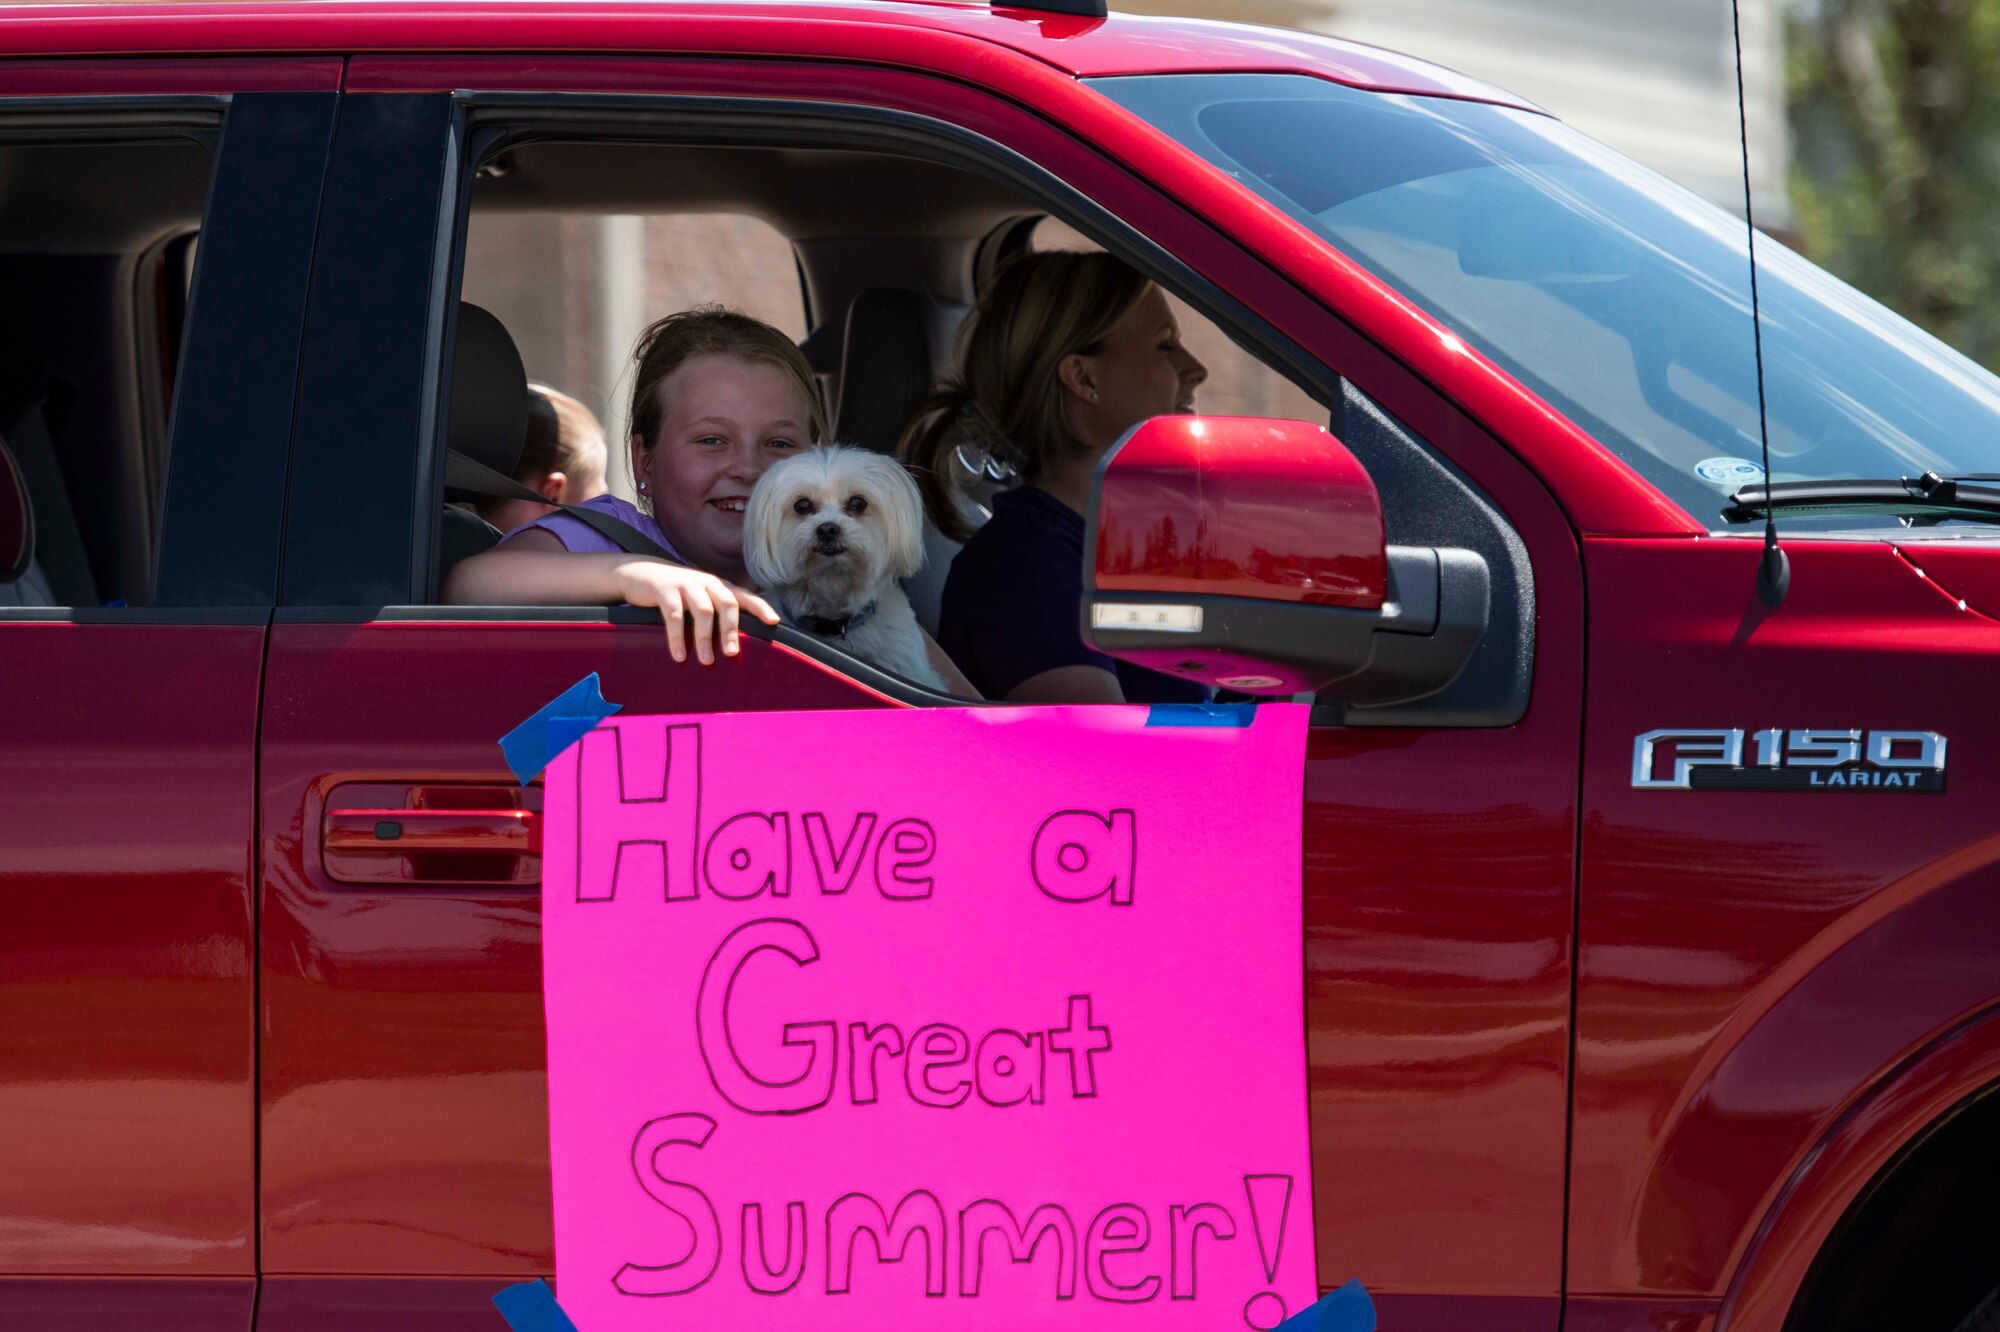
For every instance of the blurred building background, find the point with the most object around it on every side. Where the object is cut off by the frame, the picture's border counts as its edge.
(1873, 148)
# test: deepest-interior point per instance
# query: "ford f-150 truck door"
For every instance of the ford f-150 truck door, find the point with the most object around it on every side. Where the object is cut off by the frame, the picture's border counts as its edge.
(404, 1130)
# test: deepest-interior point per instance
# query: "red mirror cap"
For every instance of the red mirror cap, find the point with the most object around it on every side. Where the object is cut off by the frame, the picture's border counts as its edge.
(1239, 506)
(17, 520)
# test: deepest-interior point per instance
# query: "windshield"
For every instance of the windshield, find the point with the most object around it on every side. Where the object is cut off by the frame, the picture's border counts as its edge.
(1619, 297)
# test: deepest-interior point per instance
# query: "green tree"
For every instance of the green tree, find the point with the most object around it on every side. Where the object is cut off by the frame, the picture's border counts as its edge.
(1895, 119)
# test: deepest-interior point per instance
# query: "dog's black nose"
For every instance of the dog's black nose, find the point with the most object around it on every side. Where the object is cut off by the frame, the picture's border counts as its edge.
(828, 531)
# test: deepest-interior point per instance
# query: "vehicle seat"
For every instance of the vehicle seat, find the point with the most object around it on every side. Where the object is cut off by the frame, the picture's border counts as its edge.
(488, 423)
(897, 345)
(62, 572)
(22, 582)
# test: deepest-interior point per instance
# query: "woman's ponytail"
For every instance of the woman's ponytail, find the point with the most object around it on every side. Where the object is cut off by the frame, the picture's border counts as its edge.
(929, 449)
(1006, 402)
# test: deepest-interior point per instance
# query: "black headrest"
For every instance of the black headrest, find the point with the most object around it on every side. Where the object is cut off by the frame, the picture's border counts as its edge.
(17, 520)
(489, 392)
(892, 357)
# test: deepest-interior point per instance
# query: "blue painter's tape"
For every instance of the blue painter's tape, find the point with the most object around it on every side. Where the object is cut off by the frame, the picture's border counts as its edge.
(1345, 1310)
(534, 744)
(1201, 714)
(531, 1307)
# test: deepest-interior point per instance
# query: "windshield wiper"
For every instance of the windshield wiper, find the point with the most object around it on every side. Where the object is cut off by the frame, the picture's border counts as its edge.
(1928, 498)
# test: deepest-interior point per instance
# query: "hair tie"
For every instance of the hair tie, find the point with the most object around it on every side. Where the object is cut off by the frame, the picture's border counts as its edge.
(985, 451)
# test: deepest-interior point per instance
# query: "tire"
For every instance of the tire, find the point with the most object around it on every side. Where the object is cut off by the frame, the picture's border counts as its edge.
(1986, 1316)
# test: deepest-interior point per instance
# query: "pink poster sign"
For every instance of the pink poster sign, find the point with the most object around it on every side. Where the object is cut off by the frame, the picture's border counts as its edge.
(961, 1019)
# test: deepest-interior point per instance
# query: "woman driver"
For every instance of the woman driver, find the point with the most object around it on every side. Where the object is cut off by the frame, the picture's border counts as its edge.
(1067, 351)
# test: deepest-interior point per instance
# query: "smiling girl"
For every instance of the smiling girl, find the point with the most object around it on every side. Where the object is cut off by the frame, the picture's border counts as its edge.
(717, 398)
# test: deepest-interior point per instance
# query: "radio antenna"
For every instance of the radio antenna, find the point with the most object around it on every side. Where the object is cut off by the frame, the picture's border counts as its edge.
(1774, 569)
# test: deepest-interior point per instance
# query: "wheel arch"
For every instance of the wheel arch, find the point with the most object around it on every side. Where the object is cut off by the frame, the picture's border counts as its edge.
(1856, 1227)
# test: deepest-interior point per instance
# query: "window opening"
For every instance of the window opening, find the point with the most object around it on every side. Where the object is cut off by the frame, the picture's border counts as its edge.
(858, 223)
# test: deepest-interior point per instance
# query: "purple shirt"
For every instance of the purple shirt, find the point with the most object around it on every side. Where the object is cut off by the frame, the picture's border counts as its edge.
(581, 538)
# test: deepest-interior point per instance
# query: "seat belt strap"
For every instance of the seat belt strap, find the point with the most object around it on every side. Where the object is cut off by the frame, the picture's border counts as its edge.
(472, 477)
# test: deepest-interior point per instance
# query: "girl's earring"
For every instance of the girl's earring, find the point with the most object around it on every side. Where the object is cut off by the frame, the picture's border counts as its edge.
(1093, 395)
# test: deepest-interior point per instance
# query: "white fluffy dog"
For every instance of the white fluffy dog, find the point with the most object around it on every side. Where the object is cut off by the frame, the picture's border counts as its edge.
(826, 536)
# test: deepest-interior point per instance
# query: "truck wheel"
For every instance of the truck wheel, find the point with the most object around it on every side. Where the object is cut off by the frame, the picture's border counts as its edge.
(1986, 1317)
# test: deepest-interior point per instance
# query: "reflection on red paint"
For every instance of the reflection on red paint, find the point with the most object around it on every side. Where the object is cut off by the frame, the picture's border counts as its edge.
(1240, 506)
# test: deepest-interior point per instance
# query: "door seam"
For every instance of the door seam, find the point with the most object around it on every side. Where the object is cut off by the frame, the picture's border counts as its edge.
(257, 754)
(1575, 941)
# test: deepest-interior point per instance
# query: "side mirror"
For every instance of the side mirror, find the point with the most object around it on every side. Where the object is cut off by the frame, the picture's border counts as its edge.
(1250, 555)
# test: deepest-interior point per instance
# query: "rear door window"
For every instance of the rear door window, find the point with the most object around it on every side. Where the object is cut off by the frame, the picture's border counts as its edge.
(96, 240)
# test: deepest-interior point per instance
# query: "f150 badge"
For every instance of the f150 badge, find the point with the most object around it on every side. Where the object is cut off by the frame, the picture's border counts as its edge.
(1780, 760)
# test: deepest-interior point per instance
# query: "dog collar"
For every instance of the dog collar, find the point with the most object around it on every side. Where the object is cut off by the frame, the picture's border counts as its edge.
(831, 628)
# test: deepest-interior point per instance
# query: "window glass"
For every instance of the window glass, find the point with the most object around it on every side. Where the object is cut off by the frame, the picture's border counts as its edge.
(95, 254)
(1616, 295)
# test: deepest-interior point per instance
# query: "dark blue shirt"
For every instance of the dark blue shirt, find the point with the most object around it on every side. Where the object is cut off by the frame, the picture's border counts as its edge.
(1013, 599)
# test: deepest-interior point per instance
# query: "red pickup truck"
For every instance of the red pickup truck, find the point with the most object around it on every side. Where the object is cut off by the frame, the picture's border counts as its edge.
(1652, 955)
